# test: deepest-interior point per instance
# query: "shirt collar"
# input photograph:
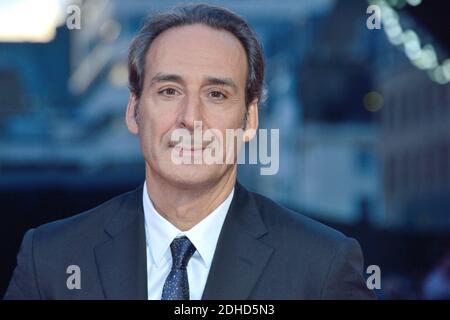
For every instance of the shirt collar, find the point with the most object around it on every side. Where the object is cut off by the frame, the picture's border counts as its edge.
(204, 235)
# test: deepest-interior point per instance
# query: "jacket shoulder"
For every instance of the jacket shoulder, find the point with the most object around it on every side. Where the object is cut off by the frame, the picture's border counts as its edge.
(334, 262)
(83, 226)
(288, 224)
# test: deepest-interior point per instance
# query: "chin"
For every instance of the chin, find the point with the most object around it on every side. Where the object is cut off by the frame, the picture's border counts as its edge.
(189, 176)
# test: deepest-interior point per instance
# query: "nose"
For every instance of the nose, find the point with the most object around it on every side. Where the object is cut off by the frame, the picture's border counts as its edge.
(191, 115)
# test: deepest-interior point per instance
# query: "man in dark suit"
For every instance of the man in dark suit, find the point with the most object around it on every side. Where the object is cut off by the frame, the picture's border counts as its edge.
(190, 231)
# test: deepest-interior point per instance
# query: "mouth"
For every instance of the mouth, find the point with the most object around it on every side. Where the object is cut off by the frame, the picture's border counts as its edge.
(188, 149)
(194, 147)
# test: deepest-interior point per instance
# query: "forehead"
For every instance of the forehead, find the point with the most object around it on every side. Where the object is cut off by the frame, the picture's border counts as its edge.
(197, 51)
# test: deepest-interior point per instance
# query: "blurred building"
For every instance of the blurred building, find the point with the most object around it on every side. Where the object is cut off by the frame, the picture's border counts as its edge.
(338, 173)
(415, 144)
(329, 164)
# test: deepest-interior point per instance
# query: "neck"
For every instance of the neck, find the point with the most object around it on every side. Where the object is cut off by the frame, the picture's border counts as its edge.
(183, 206)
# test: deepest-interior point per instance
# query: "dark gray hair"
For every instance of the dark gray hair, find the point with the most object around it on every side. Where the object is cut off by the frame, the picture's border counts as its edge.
(212, 16)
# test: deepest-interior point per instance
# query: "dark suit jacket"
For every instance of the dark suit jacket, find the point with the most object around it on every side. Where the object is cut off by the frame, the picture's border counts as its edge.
(265, 251)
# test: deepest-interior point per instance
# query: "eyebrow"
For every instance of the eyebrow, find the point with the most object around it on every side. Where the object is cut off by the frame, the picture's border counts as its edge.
(222, 82)
(164, 77)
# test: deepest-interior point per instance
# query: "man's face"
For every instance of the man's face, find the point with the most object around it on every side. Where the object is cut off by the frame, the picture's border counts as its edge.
(192, 74)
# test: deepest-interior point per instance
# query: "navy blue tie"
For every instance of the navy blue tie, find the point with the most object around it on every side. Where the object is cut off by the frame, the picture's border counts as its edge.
(176, 286)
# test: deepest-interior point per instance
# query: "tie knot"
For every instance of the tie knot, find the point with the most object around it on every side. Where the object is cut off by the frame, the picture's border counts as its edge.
(182, 250)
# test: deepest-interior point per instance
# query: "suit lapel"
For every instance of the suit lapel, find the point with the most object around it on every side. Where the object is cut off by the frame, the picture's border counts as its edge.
(240, 255)
(121, 260)
(238, 261)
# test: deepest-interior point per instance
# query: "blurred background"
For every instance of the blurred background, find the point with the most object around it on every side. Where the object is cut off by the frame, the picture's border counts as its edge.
(363, 112)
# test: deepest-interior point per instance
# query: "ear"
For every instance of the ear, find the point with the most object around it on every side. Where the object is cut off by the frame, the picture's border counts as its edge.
(130, 115)
(251, 124)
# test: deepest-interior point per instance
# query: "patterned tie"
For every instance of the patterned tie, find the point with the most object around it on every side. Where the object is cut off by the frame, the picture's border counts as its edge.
(176, 286)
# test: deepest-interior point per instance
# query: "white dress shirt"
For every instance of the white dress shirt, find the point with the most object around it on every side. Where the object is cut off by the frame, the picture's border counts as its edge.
(160, 234)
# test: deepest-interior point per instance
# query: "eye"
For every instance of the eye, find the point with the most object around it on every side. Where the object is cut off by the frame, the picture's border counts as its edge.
(217, 95)
(169, 92)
